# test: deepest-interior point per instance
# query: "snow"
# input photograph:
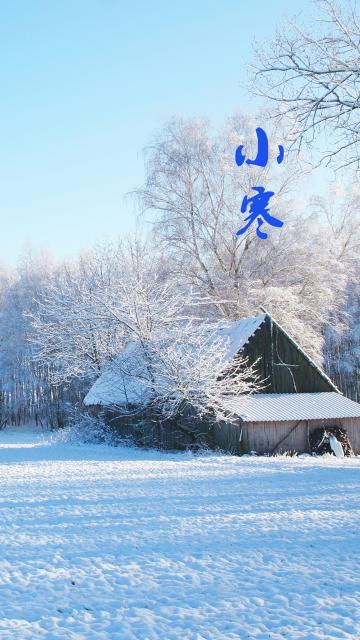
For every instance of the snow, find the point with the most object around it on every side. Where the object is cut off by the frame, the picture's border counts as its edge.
(261, 407)
(238, 333)
(336, 446)
(101, 543)
(120, 382)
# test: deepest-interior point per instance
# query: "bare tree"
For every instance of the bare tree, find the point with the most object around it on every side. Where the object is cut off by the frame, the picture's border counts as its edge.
(312, 74)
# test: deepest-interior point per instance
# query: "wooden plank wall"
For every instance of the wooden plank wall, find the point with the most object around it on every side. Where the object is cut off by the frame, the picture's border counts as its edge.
(263, 437)
(300, 376)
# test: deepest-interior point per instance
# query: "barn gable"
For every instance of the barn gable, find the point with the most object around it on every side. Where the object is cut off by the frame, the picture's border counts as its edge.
(284, 365)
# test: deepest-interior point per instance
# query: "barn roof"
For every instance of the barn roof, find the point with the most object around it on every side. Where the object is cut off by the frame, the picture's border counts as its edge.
(121, 382)
(277, 407)
(124, 380)
(238, 333)
(113, 388)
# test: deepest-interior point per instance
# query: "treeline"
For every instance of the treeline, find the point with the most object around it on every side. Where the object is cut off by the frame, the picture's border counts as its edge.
(61, 323)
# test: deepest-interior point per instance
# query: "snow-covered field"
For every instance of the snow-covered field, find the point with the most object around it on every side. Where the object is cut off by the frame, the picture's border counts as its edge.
(107, 544)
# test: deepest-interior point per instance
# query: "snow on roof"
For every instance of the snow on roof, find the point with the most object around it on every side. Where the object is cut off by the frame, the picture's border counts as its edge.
(277, 407)
(120, 382)
(113, 387)
(239, 332)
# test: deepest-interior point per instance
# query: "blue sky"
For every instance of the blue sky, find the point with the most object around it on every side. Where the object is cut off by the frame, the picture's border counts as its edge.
(84, 85)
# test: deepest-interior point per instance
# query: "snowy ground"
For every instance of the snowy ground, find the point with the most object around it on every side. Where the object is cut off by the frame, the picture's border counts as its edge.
(109, 544)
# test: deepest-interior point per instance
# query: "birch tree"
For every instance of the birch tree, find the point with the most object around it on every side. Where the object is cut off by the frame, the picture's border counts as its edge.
(193, 191)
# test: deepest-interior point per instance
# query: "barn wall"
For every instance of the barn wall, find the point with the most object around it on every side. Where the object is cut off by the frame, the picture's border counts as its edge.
(277, 437)
(274, 437)
(146, 430)
(241, 437)
(229, 437)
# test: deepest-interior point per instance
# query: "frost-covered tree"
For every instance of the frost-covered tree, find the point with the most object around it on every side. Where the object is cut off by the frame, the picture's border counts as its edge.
(85, 319)
(193, 372)
(92, 308)
(342, 348)
(24, 382)
(182, 377)
(193, 190)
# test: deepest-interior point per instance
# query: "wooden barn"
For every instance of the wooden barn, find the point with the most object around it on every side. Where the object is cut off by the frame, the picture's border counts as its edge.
(297, 398)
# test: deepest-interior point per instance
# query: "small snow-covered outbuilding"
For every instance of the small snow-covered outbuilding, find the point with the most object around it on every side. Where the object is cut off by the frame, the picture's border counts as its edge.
(297, 398)
(278, 422)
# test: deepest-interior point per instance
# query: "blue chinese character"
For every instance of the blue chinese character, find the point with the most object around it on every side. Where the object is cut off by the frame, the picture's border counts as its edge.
(262, 156)
(258, 211)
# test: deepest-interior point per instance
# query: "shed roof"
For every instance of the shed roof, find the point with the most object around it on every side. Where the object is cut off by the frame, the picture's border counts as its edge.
(278, 407)
(125, 379)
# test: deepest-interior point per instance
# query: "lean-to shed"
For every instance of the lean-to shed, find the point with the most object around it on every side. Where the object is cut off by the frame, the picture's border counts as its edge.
(279, 422)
